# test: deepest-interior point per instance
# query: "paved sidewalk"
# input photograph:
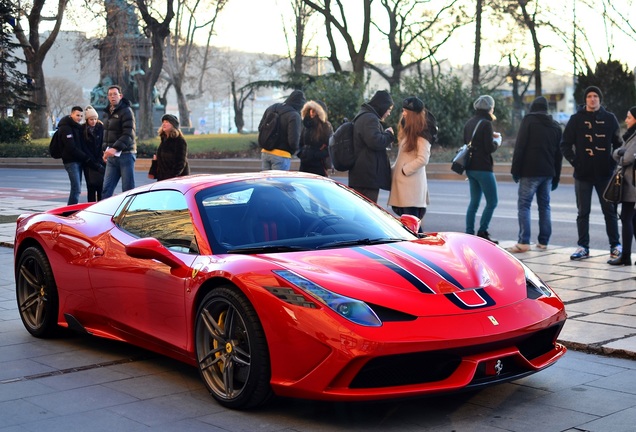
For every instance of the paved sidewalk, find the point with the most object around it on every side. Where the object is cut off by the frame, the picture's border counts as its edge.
(600, 299)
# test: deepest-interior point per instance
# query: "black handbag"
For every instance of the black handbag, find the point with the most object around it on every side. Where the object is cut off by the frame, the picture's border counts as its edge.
(462, 159)
(614, 190)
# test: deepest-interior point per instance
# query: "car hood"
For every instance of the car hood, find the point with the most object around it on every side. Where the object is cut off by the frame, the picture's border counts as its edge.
(441, 274)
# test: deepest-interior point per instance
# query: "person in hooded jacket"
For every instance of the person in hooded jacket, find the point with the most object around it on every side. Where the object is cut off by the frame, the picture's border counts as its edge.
(92, 140)
(481, 177)
(120, 143)
(409, 186)
(279, 158)
(536, 166)
(372, 169)
(314, 140)
(73, 157)
(589, 138)
(625, 156)
(171, 159)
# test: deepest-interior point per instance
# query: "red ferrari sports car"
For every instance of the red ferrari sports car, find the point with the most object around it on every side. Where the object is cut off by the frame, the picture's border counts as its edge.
(284, 283)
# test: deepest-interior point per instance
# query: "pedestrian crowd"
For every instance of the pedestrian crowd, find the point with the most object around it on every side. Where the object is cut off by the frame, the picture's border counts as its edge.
(104, 151)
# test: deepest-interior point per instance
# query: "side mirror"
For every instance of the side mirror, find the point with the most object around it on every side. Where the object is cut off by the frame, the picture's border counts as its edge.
(411, 222)
(151, 248)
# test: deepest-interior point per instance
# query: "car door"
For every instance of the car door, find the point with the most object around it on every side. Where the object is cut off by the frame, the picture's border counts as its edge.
(142, 297)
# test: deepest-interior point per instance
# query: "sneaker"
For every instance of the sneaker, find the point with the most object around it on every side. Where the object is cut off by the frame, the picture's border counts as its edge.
(580, 253)
(486, 235)
(616, 251)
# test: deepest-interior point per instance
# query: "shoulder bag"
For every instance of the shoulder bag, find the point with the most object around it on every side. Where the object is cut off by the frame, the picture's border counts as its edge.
(613, 192)
(462, 159)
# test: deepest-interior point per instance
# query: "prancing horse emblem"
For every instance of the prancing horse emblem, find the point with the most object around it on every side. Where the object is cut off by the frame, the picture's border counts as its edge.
(498, 367)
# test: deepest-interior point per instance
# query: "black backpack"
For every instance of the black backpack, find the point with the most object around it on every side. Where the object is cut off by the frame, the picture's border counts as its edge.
(341, 150)
(269, 127)
(432, 128)
(56, 146)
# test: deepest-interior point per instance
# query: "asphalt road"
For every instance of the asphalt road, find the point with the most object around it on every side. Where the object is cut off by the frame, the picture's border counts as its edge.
(446, 212)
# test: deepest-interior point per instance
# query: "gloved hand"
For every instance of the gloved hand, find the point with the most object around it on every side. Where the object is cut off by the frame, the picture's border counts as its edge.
(515, 178)
(620, 151)
(555, 184)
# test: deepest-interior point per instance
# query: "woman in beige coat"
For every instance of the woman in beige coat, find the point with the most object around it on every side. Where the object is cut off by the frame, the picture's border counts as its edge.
(409, 188)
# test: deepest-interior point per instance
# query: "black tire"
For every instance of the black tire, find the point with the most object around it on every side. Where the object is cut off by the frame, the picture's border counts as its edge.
(36, 293)
(231, 350)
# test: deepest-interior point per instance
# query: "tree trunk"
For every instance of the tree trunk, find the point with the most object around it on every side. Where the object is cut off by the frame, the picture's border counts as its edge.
(476, 69)
(38, 119)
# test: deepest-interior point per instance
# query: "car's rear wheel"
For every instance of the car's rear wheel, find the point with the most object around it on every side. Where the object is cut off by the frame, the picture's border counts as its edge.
(36, 293)
(231, 350)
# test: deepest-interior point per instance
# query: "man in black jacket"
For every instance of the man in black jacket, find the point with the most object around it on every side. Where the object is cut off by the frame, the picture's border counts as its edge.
(120, 147)
(372, 169)
(589, 139)
(279, 158)
(536, 166)
(70, 132)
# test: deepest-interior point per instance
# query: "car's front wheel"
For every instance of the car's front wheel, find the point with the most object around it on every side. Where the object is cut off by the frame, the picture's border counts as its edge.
(36, 293)
(231, 350)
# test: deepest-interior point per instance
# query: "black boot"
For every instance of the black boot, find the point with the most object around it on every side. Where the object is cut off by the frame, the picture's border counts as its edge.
(623, 260)
(486, 235)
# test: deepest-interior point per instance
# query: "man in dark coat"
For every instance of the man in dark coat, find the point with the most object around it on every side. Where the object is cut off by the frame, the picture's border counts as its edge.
(70, 132)
(279, 158)
(372, 169)
(120, 146)
(589, 139)
(536, 166)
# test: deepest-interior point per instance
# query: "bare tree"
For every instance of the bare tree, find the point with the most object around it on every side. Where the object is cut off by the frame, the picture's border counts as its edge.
(476, 81)
(35, 49)
(416, 32)
(339, 22)
(180, 48)
(298, 50)
(62, 94)
(157, 31)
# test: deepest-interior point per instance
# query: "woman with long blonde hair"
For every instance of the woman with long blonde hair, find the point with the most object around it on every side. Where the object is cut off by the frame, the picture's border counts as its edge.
(171, 159)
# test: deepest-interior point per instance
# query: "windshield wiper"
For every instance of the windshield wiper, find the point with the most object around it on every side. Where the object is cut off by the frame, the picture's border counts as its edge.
(267, 249)
(360, 242)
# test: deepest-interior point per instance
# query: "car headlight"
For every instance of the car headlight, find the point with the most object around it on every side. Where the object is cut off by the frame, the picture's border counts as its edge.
(535, 286)
(354, 310)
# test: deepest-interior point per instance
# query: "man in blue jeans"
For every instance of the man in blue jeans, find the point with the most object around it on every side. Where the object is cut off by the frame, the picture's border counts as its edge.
(70, 132)
(589, 139)
(536, 166)
(120, 146)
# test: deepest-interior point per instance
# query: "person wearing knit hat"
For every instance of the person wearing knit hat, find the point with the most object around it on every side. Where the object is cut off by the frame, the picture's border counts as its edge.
(484, 141)
(372, 169)
(171, 158)
(314, 140)
(536, 166)
(590, 137)
(92, 141)
(626, 157)
(409, 186)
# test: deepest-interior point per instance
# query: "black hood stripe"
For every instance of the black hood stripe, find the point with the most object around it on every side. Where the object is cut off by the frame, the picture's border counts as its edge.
(410, 277)
(430, 264)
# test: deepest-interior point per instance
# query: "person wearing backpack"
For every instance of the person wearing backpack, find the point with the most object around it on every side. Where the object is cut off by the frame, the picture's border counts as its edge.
(314, 140)
(73, 157)
(288, 128)
(372, 169)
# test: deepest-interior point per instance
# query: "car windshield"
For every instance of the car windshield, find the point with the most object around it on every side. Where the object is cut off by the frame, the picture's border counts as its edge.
(292, 214)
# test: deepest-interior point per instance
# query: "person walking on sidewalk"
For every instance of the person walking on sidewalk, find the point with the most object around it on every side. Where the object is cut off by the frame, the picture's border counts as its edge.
(536, 166)
(589, 138)
(120, 143)
(626, 155)
(73, 157)
(481, 177)
(372, 168)
(409, 187)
